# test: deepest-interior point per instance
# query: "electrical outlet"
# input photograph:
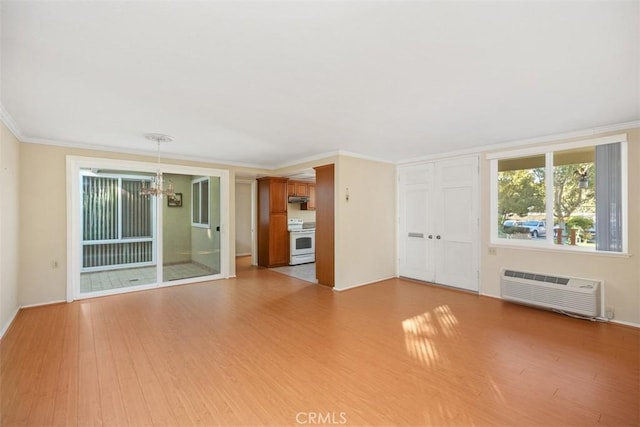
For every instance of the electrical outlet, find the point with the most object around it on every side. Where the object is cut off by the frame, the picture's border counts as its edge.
(54, 264)
(492, 250)
(609, 313)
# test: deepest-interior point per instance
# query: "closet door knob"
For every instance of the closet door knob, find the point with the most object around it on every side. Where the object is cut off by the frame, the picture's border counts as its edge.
(438, 237)
(431, 236)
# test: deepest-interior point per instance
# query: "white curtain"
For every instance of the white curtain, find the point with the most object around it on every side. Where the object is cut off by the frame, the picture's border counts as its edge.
(608, 198)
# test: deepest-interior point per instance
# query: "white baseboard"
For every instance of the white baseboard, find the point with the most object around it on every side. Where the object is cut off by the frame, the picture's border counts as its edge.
(364, 284)
(622, 322)
(44, 303)
(6, 326)
(489, 295)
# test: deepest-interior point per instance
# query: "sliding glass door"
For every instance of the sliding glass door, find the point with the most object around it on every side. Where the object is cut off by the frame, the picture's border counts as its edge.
(118, 232)
(124, 239)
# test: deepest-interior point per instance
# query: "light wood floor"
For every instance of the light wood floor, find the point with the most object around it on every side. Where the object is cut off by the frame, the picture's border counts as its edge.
(270, 349)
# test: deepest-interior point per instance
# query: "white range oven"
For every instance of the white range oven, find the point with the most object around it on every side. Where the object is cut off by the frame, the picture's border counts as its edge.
(302, 241)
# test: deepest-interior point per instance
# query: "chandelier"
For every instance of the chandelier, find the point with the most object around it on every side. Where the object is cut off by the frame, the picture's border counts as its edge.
(156, 184)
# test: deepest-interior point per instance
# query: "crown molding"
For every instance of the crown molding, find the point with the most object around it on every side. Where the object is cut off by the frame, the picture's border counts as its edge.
(566, 135)
(11, 124)
(6, 118)
(531, 150)
(522, 142)
(305, 160)
(201, 159)
(326, 154)
(438, 156)
(365, 157)
(148, 153)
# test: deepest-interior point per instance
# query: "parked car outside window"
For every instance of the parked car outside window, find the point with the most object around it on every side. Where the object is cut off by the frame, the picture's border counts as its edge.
(536, 228)
(510, 224)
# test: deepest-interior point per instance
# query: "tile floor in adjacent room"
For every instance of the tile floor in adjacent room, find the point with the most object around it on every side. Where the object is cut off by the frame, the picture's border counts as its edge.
(306, 272)
(126, 277)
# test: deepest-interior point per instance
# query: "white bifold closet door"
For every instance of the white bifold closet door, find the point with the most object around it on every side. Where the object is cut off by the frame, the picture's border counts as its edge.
(439, 227)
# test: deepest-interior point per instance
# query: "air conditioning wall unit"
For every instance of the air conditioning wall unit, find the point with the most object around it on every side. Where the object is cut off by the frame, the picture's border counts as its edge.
(566, 294)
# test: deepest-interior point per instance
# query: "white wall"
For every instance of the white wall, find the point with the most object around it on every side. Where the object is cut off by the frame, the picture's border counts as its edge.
(620, 273)
(366, 223)
(43, 228)
(243, 218)
(9, 225)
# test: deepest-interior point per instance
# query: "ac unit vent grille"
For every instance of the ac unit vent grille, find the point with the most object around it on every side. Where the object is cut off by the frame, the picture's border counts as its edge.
(538, 277)
(572, 295)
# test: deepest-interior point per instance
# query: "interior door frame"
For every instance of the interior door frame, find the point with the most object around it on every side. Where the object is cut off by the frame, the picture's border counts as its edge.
(73, 166)
(254, 215)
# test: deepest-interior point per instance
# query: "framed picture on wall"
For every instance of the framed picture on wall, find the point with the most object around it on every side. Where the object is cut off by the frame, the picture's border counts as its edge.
(175, 201)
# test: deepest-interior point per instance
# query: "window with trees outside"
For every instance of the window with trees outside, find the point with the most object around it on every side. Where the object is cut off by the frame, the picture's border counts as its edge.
(570, 196)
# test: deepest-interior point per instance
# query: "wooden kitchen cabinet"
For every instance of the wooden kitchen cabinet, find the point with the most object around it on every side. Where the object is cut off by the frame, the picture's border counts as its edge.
(302, 189)
(311, 204)
(273, 236)
(297, 188)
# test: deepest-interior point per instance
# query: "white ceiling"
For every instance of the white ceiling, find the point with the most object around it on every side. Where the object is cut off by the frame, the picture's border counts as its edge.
(268, 83)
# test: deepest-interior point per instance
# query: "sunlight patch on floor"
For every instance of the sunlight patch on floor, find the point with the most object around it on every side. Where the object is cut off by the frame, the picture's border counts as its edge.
(446, 320)
(420, 331)
(417, 333)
